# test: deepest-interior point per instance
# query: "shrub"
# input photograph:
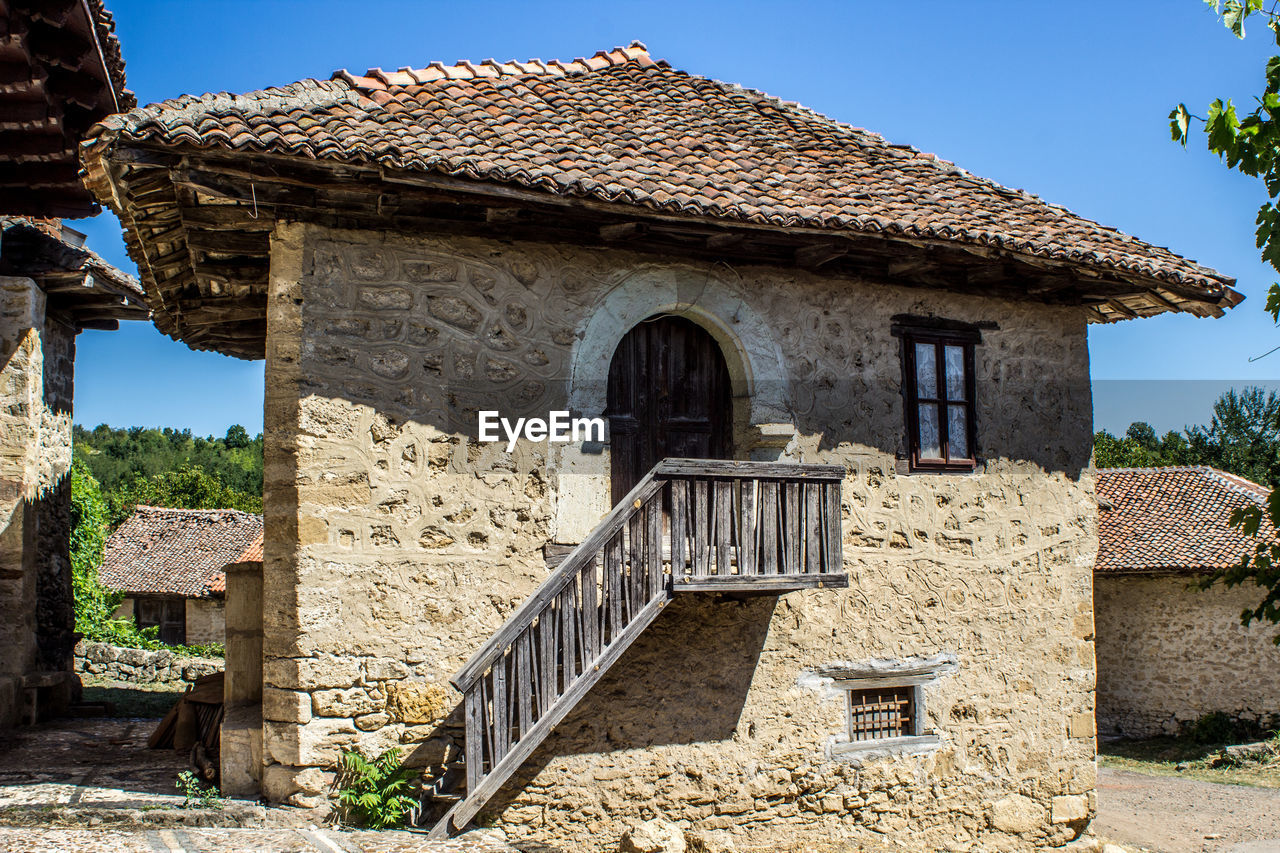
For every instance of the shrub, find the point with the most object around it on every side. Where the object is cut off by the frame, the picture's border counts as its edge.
(378, 794)
(196, 794)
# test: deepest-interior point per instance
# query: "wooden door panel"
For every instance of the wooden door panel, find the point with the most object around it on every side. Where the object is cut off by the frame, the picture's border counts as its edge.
(668, 396)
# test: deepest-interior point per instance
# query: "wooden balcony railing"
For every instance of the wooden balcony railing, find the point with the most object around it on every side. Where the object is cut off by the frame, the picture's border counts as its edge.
(689, 525)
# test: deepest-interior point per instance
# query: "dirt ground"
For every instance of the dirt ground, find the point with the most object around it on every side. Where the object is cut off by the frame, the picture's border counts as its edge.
(1170, 815)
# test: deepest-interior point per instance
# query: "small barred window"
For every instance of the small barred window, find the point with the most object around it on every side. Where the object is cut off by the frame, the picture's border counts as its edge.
(881, 712)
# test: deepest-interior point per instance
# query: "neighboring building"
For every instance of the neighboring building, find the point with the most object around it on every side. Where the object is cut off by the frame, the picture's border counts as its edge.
(170, 563)
(1168, 651)
(61, 72)
(874, 622)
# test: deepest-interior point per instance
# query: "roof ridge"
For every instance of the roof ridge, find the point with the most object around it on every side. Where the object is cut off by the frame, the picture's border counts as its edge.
(1232, 482)
(381, 79)
(185, 510)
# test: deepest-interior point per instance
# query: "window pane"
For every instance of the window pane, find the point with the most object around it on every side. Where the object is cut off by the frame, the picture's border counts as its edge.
(954, 362)
(958, 431)
(926, 371)
(930, 444)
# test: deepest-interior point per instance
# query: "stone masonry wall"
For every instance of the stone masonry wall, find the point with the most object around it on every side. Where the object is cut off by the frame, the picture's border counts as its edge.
(398, 544)
(141, 666)
(1169, 653)
(206, 621)
(37, 356)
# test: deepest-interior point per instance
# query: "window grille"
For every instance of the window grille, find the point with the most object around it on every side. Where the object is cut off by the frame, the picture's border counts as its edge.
(881, 712)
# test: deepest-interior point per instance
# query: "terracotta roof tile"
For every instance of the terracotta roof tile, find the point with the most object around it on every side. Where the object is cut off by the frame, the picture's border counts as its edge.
(1172, 520)
(621, 127)
(178, 551)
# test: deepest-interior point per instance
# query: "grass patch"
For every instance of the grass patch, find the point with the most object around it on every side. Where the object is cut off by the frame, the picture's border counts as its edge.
(131, 700)
(1188, 758)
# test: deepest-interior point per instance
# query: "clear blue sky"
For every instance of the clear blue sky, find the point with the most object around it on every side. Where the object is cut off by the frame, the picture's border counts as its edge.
(1066, 100)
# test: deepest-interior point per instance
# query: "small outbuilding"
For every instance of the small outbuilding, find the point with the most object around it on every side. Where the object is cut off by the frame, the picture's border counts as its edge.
(171, 564)
(1168, 651)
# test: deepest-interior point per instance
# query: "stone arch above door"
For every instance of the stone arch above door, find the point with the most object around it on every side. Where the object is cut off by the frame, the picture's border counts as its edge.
(756, 370)
(763, 422)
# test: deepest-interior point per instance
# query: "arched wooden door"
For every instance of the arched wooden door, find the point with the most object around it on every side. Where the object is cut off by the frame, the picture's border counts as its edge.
(668, 397)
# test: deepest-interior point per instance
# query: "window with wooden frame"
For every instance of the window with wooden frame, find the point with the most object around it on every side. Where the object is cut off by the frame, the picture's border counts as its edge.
(939, 395)
(876, 713)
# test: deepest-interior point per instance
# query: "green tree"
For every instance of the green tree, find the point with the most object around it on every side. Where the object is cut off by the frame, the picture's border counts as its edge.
(187, 488)
(1251, 146)
(237, 436)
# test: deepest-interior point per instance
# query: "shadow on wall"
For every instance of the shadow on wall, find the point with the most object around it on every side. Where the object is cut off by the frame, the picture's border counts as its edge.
(646, 698)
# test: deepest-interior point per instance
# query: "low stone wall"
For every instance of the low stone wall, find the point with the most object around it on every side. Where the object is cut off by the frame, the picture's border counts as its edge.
(139, 666)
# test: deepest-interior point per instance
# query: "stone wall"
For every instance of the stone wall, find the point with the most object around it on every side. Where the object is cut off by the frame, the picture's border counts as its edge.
(206, 621)
(141, 666)
(397, 544)
(37, 354)
(1169, 653)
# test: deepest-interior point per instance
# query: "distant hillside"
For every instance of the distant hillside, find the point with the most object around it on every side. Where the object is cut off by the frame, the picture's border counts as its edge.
(168, 467)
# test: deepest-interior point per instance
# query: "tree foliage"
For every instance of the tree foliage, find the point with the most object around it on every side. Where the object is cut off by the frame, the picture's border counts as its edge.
(1251, 145)
(1242, 437)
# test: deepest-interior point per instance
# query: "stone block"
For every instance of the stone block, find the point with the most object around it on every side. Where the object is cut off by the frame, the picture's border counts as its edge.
(1082, 725)
(286, 706)
(385, 669)
(1017, 814)
(653, 836)
(343, 703)
(317, 743)
(372, 722)
(710, 841)
(417, 702)
(1069, 808)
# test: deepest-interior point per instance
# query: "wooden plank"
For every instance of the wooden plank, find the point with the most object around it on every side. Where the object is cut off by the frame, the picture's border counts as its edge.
(502, 770)
(614, 570)
(679, 524)
(747, 527)
(832, 521)
(590, 614)
(635, 564)
(473, 717)
(523, 683)
(768, 527)
(653, 547)
(551, 587)
(791, 528)
(762, 583)
(501, 723)
(723, 525)
(813, 527)
(568, 653)
(744, 468)
(547, 664)
(701, 529)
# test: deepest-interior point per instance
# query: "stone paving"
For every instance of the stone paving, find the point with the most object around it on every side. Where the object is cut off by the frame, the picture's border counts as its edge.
(91, 785)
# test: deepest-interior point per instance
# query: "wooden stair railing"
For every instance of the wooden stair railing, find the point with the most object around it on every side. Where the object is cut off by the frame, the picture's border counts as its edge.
(731, 526)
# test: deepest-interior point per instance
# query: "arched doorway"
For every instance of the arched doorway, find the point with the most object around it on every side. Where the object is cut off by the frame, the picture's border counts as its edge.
(668, 395)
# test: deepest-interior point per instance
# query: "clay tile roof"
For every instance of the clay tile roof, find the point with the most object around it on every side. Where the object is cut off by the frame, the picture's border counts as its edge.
(622, 127)
(177, 551)
(1172, 520)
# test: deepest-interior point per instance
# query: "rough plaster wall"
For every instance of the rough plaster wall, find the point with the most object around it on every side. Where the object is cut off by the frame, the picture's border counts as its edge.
(413, 543)
(55, 610)
(1169, 653)
(206, 621)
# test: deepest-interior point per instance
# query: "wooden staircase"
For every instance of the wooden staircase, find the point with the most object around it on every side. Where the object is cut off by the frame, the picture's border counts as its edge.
(690, 525)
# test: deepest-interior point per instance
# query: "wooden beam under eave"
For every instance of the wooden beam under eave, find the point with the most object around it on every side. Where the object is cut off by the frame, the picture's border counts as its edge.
(814, 256)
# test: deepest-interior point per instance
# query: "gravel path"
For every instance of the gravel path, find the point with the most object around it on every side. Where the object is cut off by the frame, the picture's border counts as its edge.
(1172, 815)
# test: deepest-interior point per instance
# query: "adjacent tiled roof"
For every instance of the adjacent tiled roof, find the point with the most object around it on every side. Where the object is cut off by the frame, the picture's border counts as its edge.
(58, 254)
(1172, 520)
(252, 554)
(177, 551)
(622, 127)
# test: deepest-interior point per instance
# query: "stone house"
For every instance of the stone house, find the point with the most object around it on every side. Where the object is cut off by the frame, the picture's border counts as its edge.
(827, 575)
(1169, 652)
(170, 564)
(62, 72)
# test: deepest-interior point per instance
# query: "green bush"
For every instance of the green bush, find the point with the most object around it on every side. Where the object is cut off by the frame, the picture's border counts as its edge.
(378, 794)
(196, 794)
